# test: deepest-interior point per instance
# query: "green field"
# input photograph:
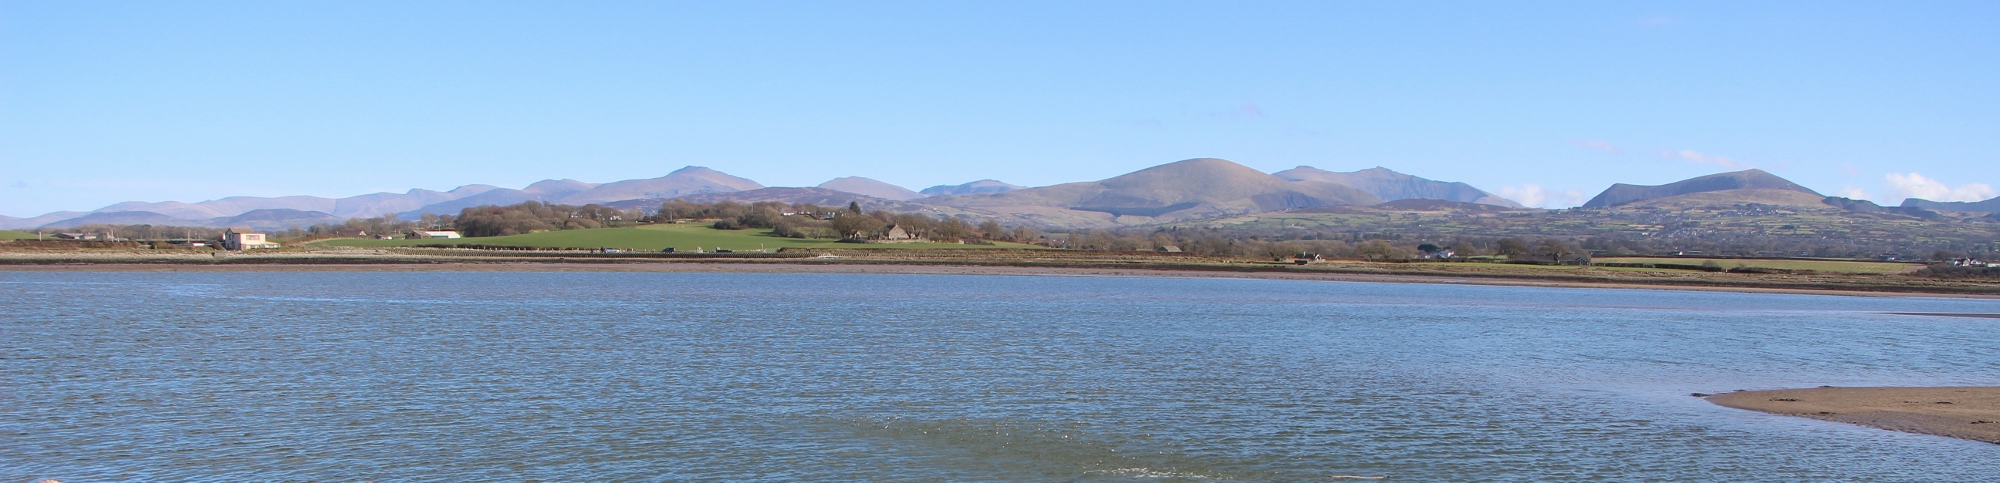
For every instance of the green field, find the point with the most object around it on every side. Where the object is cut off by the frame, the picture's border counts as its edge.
(15, 235)
(1824, 266)
(686, 237)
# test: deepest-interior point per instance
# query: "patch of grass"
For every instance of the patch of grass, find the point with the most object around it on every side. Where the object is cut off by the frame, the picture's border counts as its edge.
(685, 237)
(1823, 266)
(16, 235)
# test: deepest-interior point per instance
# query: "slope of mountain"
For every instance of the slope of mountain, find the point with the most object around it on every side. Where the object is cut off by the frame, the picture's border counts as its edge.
(1423, 204)
(814, 196)
(548, 190)
(1750, 179)
(682, 182)
(378, 204)
(122, 218)
(1715, 199)
(264, 219)
(870, 187)
(12, 223)
(275, 219)
(976, 187)
(1988, 206)
(367, 205)
(230, 206)
(685, 181)
(1390, 185)
(1182, 190)
(1869, 207)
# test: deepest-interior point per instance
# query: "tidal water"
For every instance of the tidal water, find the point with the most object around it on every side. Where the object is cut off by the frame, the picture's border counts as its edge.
(484, 376)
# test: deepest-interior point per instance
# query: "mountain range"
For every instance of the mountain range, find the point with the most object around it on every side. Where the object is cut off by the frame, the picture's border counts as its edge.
(1183, 190)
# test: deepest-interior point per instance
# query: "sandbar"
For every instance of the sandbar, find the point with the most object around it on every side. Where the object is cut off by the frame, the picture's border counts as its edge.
(1971, 412)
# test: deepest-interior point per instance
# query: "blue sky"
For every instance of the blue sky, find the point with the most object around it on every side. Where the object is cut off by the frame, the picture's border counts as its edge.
(1544, 102)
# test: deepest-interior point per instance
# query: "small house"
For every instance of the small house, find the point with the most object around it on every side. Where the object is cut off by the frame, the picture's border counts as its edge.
(896, 233)
(239, 239)
(1168, 249)
(435, 234)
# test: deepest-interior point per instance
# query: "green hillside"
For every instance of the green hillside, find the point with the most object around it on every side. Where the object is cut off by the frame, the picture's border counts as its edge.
(655, 237)
(15, 235)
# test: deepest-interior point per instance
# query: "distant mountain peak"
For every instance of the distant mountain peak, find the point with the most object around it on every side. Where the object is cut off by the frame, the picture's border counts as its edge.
(1390, 185)
(1749, 179)
(1988, 206)
(984, 186)
(1181, 190)
(692, 169)
(866, 186)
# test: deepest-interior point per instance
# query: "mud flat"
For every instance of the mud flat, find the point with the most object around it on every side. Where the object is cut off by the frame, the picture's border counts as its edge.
(981, 262)
(1959, 412)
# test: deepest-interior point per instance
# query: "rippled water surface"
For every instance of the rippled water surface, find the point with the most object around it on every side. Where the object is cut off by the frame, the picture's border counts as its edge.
(821, 377)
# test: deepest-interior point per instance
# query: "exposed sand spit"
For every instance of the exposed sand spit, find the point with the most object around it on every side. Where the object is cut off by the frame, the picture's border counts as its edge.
(1959, 412)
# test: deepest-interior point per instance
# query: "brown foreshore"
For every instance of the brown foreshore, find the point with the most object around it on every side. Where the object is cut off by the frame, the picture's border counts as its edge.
(1959, 412)
(982, 262)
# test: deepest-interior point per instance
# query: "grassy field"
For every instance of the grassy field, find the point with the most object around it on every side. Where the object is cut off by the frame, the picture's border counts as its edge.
(655, 237)
(1823, 266)
(15, 235)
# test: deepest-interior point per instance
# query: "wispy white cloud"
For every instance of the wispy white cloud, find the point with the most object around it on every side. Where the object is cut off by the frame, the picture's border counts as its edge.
(1915, 185)
(1600, 146)
(1698, 157)
(1854, 192)
(1849, 169)
(1538, 196)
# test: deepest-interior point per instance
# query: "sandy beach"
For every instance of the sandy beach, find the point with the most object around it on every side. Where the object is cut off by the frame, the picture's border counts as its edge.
(1959, 412)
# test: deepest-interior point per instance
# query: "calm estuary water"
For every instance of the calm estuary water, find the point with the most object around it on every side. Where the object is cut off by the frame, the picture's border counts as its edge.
(824, 377)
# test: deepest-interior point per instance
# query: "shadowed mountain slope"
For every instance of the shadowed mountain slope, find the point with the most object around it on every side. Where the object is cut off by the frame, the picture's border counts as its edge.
(1988, 206)
(870, 187)
(1391, 186)
(1751, 179)
(976, 187)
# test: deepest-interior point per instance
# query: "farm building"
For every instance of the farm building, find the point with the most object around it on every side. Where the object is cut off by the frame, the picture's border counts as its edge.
(434, 234)
(244, 239)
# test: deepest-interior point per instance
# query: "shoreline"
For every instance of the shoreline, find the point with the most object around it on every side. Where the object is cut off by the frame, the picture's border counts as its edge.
(909, 267)
(1964, 412)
